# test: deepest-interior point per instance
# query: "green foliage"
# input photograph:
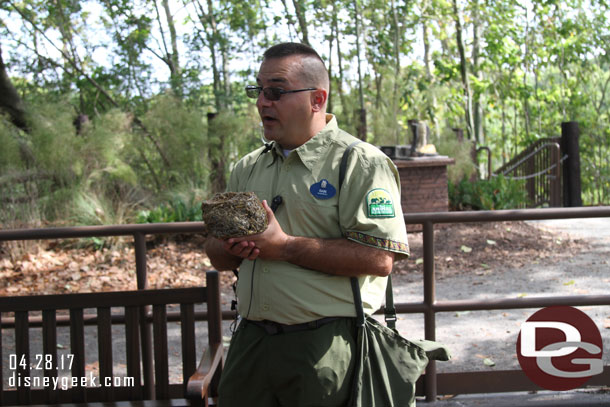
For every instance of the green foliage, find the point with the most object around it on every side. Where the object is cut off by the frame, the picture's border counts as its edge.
(492, 194)
(53, 139)
(10, 158)
(148, 133)
(179, 205)
(175, 210)
(180, 132)
(94, 208)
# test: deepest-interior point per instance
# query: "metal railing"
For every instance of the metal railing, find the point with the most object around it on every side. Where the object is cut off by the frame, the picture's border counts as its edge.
(433, 383)
(540, 166)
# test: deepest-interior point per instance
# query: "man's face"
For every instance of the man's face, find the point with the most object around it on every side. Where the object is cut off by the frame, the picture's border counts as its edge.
(287, 120)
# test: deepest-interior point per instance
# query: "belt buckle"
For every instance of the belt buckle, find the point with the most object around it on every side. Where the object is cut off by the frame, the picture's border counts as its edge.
(272, 328)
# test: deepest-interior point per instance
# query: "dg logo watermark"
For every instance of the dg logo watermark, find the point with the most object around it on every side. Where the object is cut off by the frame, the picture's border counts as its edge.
(560, 348)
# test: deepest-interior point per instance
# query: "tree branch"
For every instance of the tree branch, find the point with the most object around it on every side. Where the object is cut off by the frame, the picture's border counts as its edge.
(103, 91)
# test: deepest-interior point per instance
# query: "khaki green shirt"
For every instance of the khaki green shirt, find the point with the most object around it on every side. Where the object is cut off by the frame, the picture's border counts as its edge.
(366, 210)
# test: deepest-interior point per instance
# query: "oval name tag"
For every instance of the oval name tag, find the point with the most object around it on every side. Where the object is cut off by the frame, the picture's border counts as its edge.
(323, 190)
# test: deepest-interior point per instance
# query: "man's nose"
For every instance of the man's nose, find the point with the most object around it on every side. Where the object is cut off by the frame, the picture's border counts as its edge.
(263, 101)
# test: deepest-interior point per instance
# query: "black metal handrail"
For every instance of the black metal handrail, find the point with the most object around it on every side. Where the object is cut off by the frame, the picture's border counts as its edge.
(540, 166)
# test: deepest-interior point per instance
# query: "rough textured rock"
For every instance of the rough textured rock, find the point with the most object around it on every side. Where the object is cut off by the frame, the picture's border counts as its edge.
(233, 214)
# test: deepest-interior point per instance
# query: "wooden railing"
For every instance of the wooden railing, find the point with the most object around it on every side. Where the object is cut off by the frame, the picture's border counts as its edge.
(432, 383)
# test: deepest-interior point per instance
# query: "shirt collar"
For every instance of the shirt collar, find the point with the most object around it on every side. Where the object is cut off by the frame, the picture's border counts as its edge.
(313, 150)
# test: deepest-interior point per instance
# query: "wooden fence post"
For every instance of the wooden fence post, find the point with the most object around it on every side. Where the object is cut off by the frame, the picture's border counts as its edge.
(570, 134)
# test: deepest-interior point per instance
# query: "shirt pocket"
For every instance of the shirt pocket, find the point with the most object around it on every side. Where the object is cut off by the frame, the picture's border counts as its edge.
(312, 218)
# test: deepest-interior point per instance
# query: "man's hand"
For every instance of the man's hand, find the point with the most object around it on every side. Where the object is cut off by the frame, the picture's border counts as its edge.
(269, 245)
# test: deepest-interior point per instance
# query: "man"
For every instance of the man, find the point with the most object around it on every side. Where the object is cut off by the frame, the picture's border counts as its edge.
(295, 341)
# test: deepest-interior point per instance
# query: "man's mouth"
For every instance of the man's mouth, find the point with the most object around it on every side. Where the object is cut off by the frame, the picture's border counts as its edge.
(269, 119)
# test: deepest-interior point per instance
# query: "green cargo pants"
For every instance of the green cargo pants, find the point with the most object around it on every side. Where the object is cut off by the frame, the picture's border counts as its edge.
(310, 368)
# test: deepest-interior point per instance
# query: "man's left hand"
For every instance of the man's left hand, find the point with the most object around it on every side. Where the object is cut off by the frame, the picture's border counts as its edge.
(269, 245)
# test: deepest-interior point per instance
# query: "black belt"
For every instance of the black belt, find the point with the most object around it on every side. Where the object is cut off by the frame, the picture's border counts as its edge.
(275, 328)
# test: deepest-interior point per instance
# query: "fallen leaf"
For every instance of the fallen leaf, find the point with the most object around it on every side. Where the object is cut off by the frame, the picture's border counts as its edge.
(521, 295)
(491, 242)
(419, 261)
(489, 362)
(571, 282)
(466, 249)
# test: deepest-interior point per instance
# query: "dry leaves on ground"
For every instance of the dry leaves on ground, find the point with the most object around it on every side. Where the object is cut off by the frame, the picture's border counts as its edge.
(50, 268)
(484, 248)
(54, 269)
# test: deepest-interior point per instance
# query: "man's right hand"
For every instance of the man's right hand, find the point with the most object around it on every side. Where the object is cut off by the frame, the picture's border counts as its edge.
(222, 257)
(244, 249)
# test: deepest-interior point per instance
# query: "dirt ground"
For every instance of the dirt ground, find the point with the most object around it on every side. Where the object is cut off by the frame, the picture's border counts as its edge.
(486, 247)
(50, 267)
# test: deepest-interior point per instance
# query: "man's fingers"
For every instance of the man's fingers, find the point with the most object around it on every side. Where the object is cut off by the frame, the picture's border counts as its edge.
(253, 254)
(243, 249)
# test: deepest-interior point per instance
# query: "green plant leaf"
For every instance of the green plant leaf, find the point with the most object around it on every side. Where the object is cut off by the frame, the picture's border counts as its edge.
(466, 249)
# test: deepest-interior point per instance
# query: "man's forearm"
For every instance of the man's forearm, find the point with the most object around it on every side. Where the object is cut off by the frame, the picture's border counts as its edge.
(337, 256)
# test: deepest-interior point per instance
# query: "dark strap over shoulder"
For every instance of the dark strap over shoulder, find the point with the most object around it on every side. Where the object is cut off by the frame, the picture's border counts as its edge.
(389, 309)
(343, 165)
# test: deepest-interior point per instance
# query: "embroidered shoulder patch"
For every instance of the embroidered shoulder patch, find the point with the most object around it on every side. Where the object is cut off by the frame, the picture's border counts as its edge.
(379, 204)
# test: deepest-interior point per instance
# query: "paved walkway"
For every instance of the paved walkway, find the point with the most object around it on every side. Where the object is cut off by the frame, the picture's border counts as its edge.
(495, 332)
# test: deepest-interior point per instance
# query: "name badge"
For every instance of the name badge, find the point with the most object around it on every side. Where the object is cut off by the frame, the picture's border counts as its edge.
(323, 190)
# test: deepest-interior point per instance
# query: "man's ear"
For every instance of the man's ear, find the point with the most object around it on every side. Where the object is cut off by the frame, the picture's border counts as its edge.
(318, 99)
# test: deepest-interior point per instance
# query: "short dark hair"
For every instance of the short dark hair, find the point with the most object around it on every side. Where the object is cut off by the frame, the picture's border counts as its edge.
(314, 70)
(286, 49)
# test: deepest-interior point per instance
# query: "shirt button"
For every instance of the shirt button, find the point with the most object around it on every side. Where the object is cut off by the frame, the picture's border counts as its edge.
(265, 307)
(266, 270)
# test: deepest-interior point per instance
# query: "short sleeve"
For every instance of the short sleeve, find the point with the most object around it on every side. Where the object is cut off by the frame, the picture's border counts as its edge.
(370, 210)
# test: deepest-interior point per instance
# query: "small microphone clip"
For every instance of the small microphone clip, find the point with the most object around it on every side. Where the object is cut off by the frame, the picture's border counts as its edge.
(276, 202)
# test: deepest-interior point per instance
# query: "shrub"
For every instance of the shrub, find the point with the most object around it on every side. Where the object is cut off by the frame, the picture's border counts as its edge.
(496, 193)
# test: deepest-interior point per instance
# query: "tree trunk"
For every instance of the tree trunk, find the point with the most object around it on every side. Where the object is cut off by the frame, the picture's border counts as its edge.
(217, 156)
(526, 107)
(361, 116)
(463, 70)
(331, 39)
(339, 62)
(226, 80)
(10, 101)
(173, 58)
(476, 46)
(430, 77)
(397, 37)
(300, 13)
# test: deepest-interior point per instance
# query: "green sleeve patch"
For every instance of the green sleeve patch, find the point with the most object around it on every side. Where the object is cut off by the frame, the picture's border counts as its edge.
(379, 204)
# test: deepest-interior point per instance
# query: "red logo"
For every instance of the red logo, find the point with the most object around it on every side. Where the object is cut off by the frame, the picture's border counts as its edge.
(560, 348)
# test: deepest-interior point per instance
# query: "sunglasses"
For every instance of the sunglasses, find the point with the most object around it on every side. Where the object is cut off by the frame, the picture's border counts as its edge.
(272, 94)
